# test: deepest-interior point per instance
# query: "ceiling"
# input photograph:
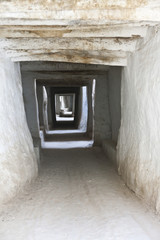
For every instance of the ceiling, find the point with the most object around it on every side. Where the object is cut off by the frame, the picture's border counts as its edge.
(75, 31)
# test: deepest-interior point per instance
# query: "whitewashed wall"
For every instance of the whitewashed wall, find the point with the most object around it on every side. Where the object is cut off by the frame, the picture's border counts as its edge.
(84, 110)
(139, 140)
(18, 164)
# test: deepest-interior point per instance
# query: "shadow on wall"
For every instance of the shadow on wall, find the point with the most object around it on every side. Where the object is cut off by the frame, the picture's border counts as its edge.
(114, 95)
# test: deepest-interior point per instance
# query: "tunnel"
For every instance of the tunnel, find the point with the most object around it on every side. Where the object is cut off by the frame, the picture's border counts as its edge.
(79, 120)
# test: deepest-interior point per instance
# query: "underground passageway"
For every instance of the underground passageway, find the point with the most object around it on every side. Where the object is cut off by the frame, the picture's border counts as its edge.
(78, 195)
(79, 120)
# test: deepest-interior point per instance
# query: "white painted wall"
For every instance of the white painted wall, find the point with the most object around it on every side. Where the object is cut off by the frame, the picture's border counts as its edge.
(139, 140)
(84, 110)
(18, 164)
(45, 111)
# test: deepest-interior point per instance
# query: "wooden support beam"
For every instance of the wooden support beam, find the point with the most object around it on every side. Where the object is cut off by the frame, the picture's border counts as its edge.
(62, 82)
(82, 44)
(62, 67)
(68, 74)
(55, 77)
(104, 54)
(71, 31)
(73, 59)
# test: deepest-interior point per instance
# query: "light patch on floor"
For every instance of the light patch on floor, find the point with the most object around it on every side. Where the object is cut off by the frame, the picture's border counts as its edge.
(64, 131)
(64, 144)
(63, 119)
(67, 144)
(77, 196)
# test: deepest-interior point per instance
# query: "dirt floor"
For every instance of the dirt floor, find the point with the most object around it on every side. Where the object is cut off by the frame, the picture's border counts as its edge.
(77, 196)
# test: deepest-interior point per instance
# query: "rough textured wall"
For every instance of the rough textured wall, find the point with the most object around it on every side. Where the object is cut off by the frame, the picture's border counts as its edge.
(49, 108)
(114, 91)
(72, 4)
(102, 125)
(139, 141)
(18, 164)
(30, 103)
(81, 9)
(39, 92)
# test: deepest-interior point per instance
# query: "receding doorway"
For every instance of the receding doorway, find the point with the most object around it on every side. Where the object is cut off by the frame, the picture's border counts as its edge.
(64, 103)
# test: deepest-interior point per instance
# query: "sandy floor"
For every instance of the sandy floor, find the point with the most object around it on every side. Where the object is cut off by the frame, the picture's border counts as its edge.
(72, 143)
(77, 196)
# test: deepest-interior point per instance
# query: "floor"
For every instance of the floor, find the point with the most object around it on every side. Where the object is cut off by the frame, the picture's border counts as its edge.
(55, 139)
(77, 196)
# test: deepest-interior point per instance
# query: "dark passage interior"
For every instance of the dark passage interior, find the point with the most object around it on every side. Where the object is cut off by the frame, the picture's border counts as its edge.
(92, 92)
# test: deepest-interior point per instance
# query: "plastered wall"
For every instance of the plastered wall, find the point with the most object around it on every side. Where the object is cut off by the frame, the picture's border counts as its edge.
(102, 124)
(114, 92)
(83, 109)
(139, 140)
(31, 104)
(18, 164)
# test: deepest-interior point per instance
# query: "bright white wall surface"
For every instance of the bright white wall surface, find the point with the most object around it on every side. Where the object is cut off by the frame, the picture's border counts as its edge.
(31, 104)
(84, 110)
(139, 140)
(18, 164)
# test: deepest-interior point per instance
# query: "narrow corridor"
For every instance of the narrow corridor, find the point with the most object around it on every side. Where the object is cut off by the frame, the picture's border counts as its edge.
(77, 196)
